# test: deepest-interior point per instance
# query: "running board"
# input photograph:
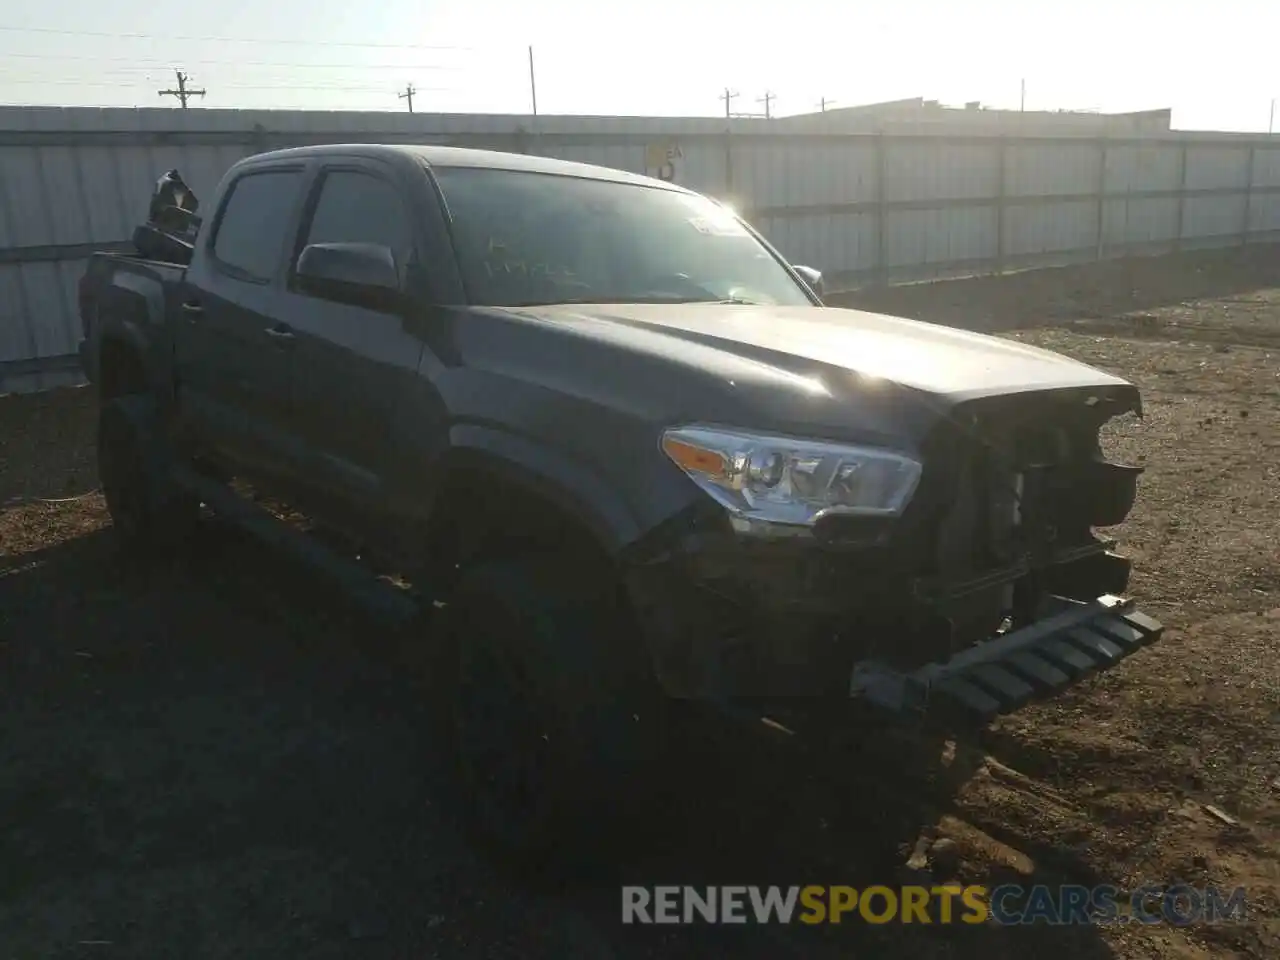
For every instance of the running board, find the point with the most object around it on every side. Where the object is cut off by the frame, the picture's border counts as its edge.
(1003, 674)
(385, 601)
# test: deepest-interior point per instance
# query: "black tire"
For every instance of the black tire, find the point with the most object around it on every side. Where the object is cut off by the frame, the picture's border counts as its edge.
(149, 513)
(555, 723)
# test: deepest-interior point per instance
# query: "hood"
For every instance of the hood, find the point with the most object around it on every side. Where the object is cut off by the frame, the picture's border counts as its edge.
(949, 364)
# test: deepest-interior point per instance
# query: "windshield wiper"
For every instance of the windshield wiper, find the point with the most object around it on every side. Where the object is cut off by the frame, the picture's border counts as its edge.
(607, 299)
(651, 298)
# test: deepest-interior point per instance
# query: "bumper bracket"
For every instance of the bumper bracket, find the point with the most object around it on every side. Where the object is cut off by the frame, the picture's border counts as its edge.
(1002, 674)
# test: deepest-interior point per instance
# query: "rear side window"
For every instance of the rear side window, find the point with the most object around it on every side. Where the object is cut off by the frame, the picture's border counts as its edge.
(357, 207)
(251, 233)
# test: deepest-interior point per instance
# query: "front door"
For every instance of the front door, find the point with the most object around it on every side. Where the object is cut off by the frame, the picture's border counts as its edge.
(352, 364)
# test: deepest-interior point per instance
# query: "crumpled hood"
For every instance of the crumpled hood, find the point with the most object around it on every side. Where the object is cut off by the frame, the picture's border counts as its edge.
(949, 364)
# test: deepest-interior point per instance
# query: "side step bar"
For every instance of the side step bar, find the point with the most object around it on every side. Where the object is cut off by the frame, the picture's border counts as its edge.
(388, 603)
(1002, 674)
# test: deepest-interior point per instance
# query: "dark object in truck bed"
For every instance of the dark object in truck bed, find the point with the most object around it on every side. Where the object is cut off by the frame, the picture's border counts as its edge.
(169, 234)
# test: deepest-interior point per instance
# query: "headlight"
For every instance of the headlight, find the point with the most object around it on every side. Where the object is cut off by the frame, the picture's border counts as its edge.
(779, 480)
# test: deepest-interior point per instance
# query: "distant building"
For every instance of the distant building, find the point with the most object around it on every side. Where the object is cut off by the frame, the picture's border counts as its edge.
(916, 114)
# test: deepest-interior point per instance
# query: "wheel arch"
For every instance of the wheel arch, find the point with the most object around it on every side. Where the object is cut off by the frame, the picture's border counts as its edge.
(496, 487)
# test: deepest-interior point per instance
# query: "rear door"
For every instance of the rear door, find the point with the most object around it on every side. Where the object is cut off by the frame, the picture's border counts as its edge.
(353, 363)
(232, 358)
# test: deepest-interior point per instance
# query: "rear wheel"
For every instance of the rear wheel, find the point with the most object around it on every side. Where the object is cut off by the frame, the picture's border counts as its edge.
(148, 511)
(554, 721)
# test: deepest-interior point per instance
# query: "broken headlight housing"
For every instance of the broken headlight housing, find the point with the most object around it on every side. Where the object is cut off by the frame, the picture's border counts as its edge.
(786, 482)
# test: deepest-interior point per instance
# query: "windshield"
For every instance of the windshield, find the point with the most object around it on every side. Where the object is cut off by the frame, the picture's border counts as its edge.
(527, 239)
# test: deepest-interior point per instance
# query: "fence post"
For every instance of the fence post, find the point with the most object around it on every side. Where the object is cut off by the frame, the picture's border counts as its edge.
(882, 213)
(1102, 197)
(1248, 196)
(1002, 192)
(1182, 196)
(728, 158)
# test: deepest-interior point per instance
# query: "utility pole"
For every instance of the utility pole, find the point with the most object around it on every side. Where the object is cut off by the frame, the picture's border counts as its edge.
(409, 91)
(728, 97)
(1271, 124)
(1023, 107)
(182, 93)
(533, 83)
(823, 103)
(767, 99)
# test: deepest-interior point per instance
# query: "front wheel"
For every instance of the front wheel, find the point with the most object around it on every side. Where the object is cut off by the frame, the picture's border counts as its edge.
(554, 720)
(148, 511)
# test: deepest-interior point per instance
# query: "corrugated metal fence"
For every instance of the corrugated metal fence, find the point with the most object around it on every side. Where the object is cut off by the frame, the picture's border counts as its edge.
(863, 207)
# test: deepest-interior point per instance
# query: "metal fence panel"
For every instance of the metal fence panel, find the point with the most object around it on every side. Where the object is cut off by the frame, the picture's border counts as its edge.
(1264, 213)
(1266, 167)
(29, 217)
(1213, 216)
(17, 323)
(1051, 228)
(846, 242)
(1041, 169)
(939, 236)
(1138, 167)
(1210, 167)
(934, 169)
(1135, 222)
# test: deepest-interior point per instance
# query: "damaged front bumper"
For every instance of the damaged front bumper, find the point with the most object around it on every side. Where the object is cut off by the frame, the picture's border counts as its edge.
(783, 627)
(990, 587)
(1006, 672)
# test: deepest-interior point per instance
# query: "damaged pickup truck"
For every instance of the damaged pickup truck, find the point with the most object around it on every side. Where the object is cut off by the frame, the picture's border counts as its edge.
(621, 450)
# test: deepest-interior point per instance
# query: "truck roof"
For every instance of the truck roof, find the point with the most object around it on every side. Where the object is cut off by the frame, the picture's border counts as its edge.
(441, 156)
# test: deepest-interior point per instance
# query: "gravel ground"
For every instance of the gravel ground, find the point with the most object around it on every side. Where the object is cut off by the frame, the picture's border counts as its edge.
(220, 759)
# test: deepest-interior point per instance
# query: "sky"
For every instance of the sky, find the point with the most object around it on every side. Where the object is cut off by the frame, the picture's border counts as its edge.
(1214, 62)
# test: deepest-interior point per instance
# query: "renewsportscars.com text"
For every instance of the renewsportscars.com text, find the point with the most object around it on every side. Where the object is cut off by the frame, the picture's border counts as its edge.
(1008, 904)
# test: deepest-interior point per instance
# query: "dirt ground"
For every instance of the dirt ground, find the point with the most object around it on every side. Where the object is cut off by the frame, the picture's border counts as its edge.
(220, 759)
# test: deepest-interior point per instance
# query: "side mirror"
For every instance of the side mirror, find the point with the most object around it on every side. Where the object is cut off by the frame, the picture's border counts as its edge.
(810, 276)
(363, 274)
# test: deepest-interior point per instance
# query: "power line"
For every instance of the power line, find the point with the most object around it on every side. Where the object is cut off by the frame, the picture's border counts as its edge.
(366, 104)
(182, 93)
(136, 84)
(292, 41)
(355, 88)
(285, 84)
(268, 82)
(141, 61)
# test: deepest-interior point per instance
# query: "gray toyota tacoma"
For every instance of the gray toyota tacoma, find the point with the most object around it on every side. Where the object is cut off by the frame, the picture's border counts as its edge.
(620, 449)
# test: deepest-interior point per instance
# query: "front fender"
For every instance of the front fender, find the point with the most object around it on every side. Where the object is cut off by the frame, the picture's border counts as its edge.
(573, 486)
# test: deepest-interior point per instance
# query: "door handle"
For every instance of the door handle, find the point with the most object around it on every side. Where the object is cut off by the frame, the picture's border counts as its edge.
(192, 310)
(279, 333)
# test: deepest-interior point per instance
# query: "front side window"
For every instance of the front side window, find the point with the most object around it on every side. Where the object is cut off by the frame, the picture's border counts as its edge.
(356, 207)
(532, 238)
(251, 233)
